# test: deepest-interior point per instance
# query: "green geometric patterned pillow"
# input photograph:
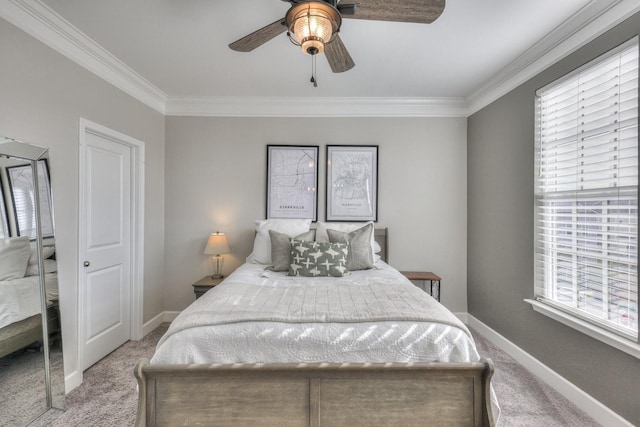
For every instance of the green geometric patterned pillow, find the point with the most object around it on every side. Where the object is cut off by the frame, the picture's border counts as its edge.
(313, 259)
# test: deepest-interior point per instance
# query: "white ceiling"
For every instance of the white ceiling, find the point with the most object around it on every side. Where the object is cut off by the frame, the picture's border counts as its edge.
(179, 48)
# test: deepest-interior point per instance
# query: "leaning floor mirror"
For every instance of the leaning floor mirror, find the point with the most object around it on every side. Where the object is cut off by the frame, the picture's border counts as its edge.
(31, 367)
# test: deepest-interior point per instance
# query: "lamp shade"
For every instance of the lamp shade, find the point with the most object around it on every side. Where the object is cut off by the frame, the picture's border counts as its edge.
(217, 244)
(312, 24)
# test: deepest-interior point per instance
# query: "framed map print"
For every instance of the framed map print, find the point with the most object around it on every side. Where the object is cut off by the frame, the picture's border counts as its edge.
(23, 197)
(292, 181)
(352, 183)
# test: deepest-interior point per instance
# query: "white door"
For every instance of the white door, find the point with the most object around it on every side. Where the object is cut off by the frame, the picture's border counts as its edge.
(105, 247)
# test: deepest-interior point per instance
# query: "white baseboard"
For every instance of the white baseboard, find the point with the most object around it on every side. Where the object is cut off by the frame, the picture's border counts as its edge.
(74, 379)
(464, 317)
(577, 396)
(71, 381)
(165, 316)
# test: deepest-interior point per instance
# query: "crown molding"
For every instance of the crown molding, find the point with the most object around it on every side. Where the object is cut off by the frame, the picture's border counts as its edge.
(315, 107)
(42, 23)
(590, 22)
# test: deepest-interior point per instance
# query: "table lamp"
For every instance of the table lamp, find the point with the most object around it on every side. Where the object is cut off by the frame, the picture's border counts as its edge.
(216, 246)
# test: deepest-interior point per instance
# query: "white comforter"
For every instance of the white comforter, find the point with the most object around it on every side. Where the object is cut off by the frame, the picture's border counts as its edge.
(261, 316)
(20, 298)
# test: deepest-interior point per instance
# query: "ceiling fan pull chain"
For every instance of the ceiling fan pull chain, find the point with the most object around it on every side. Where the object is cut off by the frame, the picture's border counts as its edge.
(313, 71)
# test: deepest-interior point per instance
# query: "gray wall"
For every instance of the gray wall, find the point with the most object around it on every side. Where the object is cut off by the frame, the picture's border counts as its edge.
(216, 179)
(500, 241)
(43, 96)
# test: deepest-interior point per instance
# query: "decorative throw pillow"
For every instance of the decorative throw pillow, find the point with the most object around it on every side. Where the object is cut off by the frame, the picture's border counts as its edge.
(360, 250)
(322, 236)
(14, 256)
(262, 244)
(313, 259)
(281, 248)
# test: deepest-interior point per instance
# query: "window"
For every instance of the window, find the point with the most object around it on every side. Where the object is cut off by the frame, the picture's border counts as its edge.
(4, 226)
(21, 182)
(586, 193)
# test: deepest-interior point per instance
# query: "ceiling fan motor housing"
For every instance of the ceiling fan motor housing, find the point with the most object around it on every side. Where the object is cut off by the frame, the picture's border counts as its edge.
(312, 24)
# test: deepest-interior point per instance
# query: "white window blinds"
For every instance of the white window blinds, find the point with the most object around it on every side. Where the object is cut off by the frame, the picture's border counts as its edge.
(586, 189)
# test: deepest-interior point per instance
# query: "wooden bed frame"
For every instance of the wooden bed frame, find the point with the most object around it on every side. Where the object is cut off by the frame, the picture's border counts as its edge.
(420, 394)
(20, 334)
(316, 395)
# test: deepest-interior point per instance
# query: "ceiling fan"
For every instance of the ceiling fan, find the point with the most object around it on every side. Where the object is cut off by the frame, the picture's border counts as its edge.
(314, 25)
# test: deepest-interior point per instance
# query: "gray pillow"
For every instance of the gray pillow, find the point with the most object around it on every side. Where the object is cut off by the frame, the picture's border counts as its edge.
(360, 250)
(314, 259)
(280, 248)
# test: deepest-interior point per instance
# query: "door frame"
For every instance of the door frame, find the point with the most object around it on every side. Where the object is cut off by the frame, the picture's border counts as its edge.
(137, 227)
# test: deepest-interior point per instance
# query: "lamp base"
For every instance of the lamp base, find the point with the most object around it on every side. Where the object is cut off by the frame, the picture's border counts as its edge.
(217, 262)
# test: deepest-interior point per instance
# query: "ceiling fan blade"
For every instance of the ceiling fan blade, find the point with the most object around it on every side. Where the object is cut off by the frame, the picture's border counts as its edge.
(346, 9)
(338, 56)
(259, 37)
(420, 11)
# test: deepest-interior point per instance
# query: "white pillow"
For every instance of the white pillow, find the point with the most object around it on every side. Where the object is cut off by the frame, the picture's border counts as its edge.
(14, 256)
(47, 252)
(322, 236)
(50, 266)
(262, 244)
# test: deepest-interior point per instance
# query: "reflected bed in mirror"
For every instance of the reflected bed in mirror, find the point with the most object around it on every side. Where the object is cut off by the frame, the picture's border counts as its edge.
(31, 372)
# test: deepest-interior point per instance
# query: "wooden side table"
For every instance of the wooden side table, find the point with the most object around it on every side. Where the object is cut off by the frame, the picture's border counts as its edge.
(204, 284)
(420, 279)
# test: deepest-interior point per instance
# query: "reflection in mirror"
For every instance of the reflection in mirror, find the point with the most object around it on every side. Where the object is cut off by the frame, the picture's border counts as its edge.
(31, 368)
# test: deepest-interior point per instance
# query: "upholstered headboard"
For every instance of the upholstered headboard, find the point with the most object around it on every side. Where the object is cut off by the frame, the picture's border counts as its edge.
(381, 236)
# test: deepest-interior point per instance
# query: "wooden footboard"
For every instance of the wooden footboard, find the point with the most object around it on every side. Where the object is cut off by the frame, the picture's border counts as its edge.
(20, 334)
(350, 395)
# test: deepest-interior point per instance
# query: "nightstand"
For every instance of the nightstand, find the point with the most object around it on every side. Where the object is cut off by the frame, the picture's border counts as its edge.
(423, 278)
(204, 284)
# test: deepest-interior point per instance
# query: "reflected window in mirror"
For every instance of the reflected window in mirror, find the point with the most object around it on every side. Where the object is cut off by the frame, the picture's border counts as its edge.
(4, 223)
(23, 197)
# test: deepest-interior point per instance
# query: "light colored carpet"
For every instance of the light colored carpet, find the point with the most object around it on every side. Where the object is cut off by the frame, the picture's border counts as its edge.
(22, 390)
(524, 399)
(107, 397)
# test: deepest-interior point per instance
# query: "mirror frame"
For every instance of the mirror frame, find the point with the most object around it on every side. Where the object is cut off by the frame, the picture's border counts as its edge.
(19, 150)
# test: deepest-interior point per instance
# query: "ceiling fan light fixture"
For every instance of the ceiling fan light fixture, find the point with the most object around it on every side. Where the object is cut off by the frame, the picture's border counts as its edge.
(312, 24)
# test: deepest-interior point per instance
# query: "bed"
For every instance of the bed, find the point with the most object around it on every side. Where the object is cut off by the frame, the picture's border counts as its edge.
(20, 307)
(20, 311)
(265, 348)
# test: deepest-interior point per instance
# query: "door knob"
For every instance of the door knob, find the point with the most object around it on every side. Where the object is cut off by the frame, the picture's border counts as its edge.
(86, 263)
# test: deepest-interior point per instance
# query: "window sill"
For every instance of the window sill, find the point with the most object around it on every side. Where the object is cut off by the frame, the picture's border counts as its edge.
(593, 331)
